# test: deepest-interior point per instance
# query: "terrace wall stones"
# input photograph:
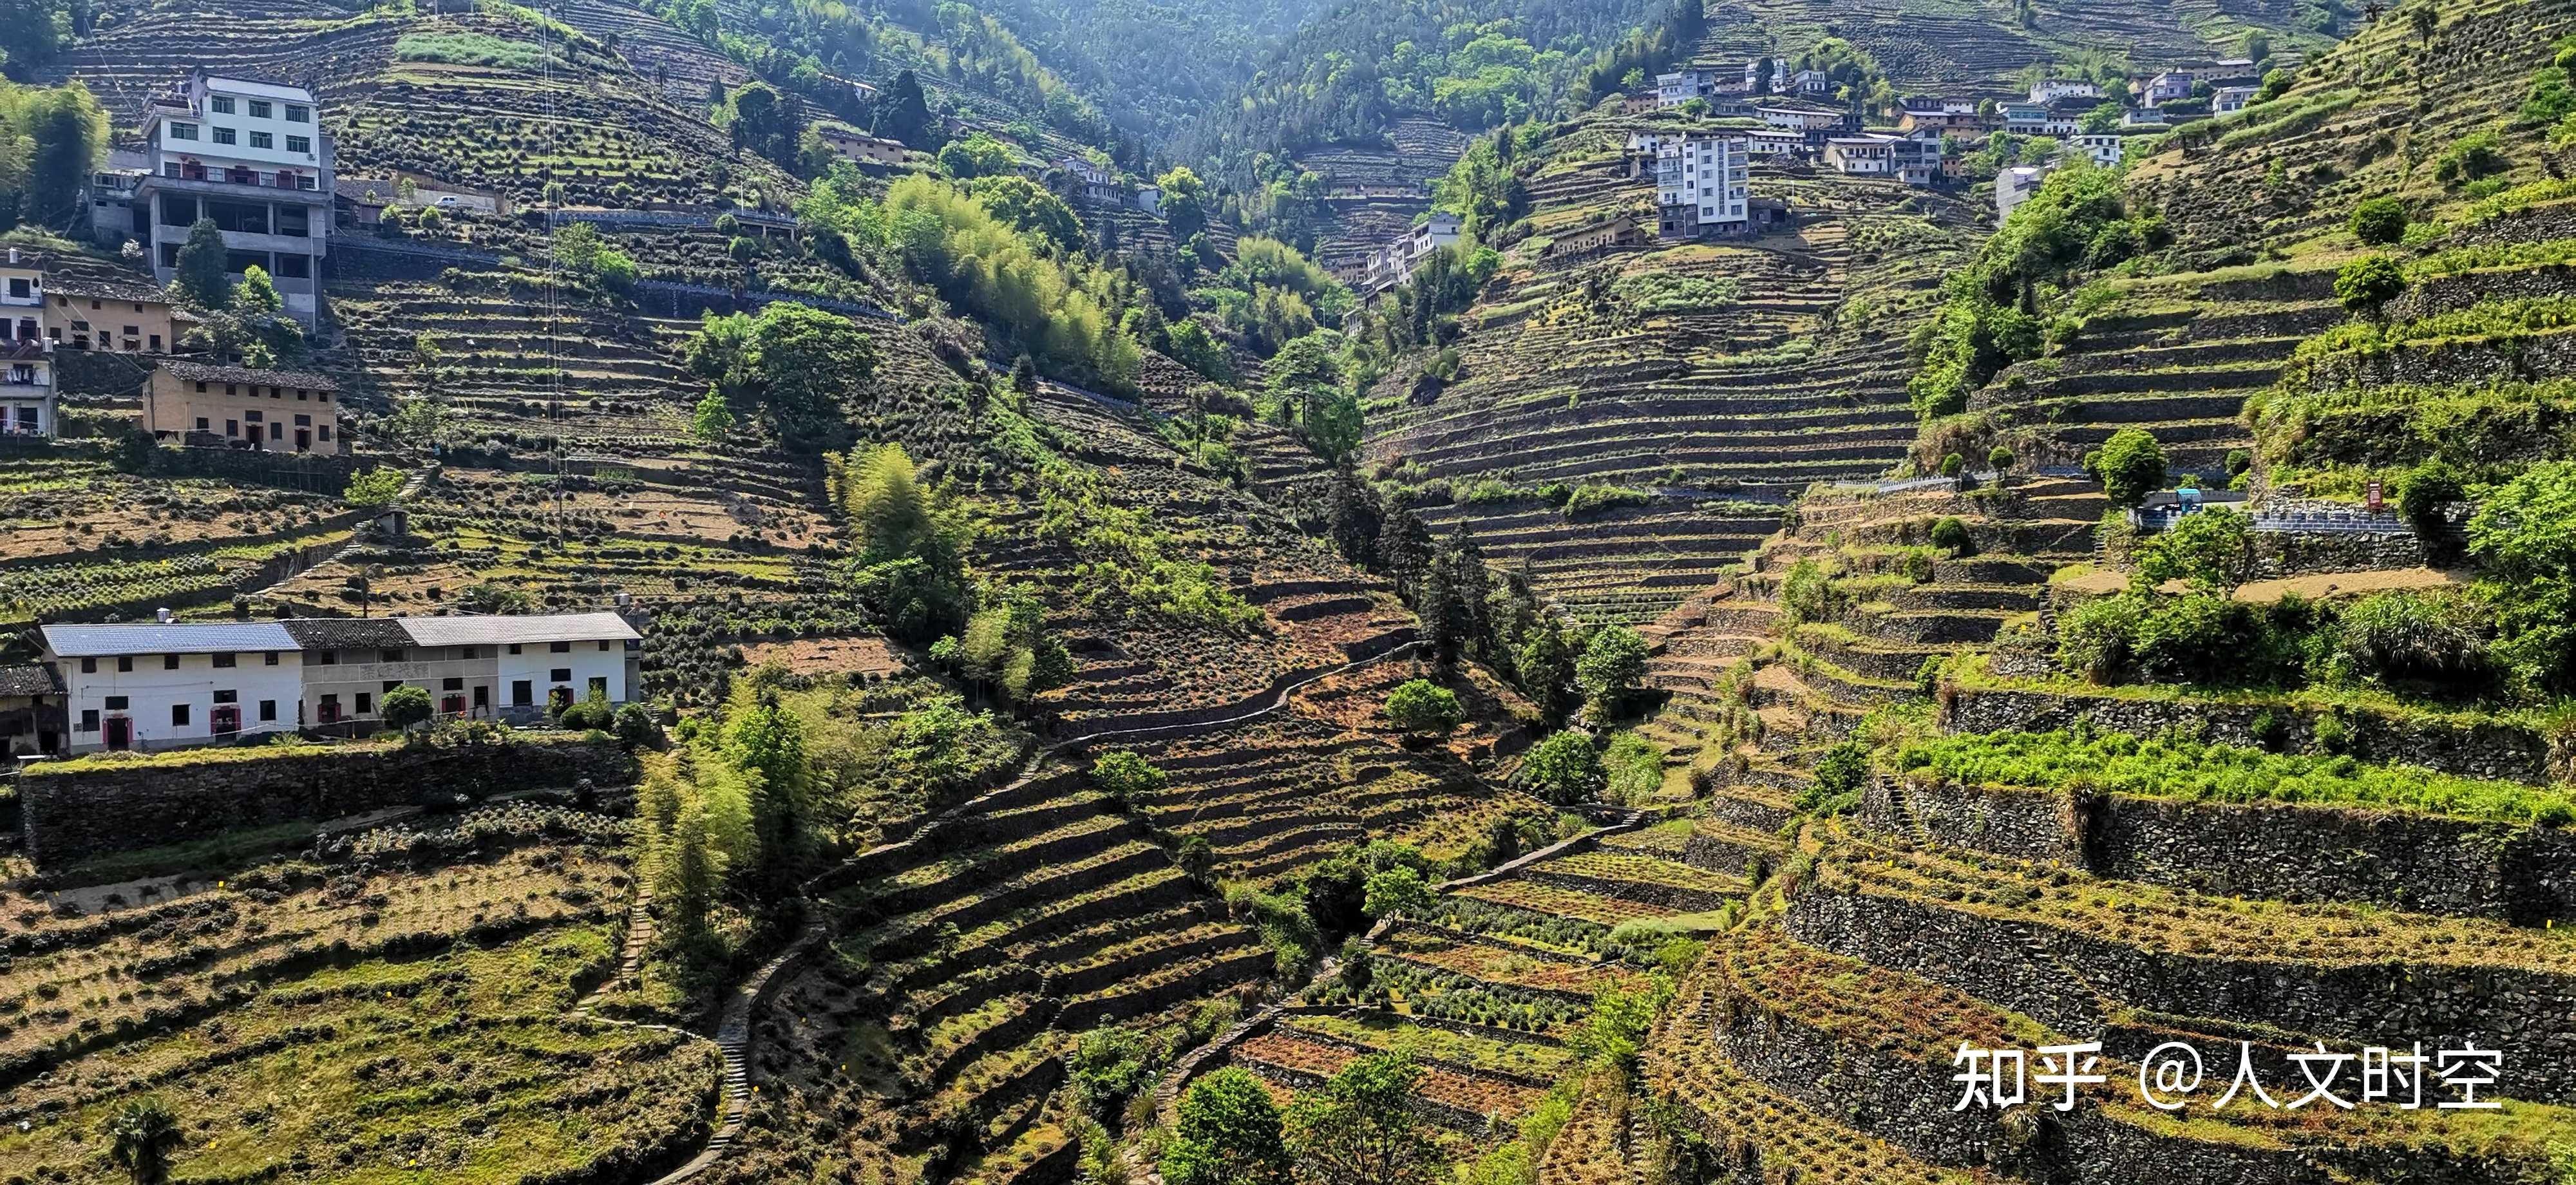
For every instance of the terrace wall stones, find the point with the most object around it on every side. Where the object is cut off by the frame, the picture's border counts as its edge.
(2447, 294)
(2071, 981)
(2451, 362)
(2292, 553)
(2521, 874)
(1909, 1104)
(2475, 748)
(97, 807)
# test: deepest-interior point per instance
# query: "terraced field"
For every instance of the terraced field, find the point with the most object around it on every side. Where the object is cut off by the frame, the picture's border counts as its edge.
(1708, 373)
(379, 1012)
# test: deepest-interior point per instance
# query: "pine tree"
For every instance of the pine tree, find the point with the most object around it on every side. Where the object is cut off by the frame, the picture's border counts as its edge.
(201, 266)
(904, 114)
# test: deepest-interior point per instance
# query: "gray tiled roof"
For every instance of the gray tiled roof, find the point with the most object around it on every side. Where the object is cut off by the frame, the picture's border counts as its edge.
(322, 633)
(493, 631)
(316, 633)
(180, 368)
(31, 679)
(189, 637)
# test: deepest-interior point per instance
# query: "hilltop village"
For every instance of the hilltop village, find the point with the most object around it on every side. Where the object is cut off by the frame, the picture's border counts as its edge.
(1667, 592)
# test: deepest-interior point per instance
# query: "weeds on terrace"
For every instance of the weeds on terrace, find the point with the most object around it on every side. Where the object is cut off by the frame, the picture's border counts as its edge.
(2484, 319)
(2172, 767)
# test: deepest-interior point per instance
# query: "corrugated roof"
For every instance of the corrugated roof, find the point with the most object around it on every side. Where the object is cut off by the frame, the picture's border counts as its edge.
(190, 637)
(491, 631)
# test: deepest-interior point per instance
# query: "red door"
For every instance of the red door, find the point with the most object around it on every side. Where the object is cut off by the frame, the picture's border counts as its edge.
(120, 733)
(453, 705)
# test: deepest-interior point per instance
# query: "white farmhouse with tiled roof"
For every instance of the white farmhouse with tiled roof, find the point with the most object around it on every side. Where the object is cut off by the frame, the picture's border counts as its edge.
(170, 684)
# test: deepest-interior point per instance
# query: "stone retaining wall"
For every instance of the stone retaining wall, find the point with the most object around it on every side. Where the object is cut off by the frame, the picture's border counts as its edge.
(2069, 980)
(2397, 860)
(2472, 748)
(82, 810)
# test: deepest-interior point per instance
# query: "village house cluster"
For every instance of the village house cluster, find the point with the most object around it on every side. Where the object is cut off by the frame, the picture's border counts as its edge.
(170, 684)
(186, 400)
(1767, 111)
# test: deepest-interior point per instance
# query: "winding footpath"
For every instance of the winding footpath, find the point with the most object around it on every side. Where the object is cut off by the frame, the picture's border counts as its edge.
(741, 1012)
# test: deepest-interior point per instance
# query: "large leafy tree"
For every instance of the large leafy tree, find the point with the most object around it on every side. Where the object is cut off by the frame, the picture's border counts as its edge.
(66, 134)
(1362, 1126)
(1228, 1134)
(2523, 538)
(765, 122)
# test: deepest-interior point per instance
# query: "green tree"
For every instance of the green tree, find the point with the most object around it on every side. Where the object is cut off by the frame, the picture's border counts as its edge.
(256, 295)
(141, 1136)
(713, 419)
(2476, 155)
(1363, 1127)
(2523, 538)
(762, 736)
(1612, 663)
(202, 269)
(1423, 707)
(1395, 891)
(1228, 1133)
(978, 155)
(2101, 119)
(910, 566)
(1184, 202)
(1123, 775)
(2368, 282)
(1026, 206)
(66, 135)
(766, 123)
(405, 706)
(1564, 769)
(2208, 550)
(373, 487)
(2379, 221)
(1545, 664)
(806, 363)
(2130, 466)
(903, 114)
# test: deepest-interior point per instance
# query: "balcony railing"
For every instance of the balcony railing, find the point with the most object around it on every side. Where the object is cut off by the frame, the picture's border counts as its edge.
(253, 178)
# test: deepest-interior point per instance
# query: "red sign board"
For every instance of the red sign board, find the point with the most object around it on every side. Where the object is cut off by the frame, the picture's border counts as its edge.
(2375, 503)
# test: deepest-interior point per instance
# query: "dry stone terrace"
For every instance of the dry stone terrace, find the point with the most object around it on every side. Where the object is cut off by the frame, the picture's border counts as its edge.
(1775, 372)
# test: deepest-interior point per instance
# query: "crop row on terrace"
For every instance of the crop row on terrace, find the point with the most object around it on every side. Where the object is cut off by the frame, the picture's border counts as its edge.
(385, 1011)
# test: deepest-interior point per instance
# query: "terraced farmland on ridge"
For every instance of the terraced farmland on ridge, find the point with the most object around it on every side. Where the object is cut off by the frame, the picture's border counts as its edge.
(1782, 366)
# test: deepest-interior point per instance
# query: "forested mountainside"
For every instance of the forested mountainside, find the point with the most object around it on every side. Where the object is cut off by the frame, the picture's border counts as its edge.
(1242, 593)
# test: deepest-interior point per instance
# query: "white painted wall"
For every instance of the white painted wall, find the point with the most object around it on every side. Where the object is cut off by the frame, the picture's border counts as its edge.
(151, 689)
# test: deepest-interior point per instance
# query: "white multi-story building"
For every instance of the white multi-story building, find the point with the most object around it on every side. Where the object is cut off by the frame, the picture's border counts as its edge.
(2014, 186)
(1702, 184)
(2230, 98)
(26, 354)
(252, 156)
(170, 684)
(1775, 143)
(2104, 147)
(2169, 86)
(1674, 88)
(1392, 264)
(2050, 90)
